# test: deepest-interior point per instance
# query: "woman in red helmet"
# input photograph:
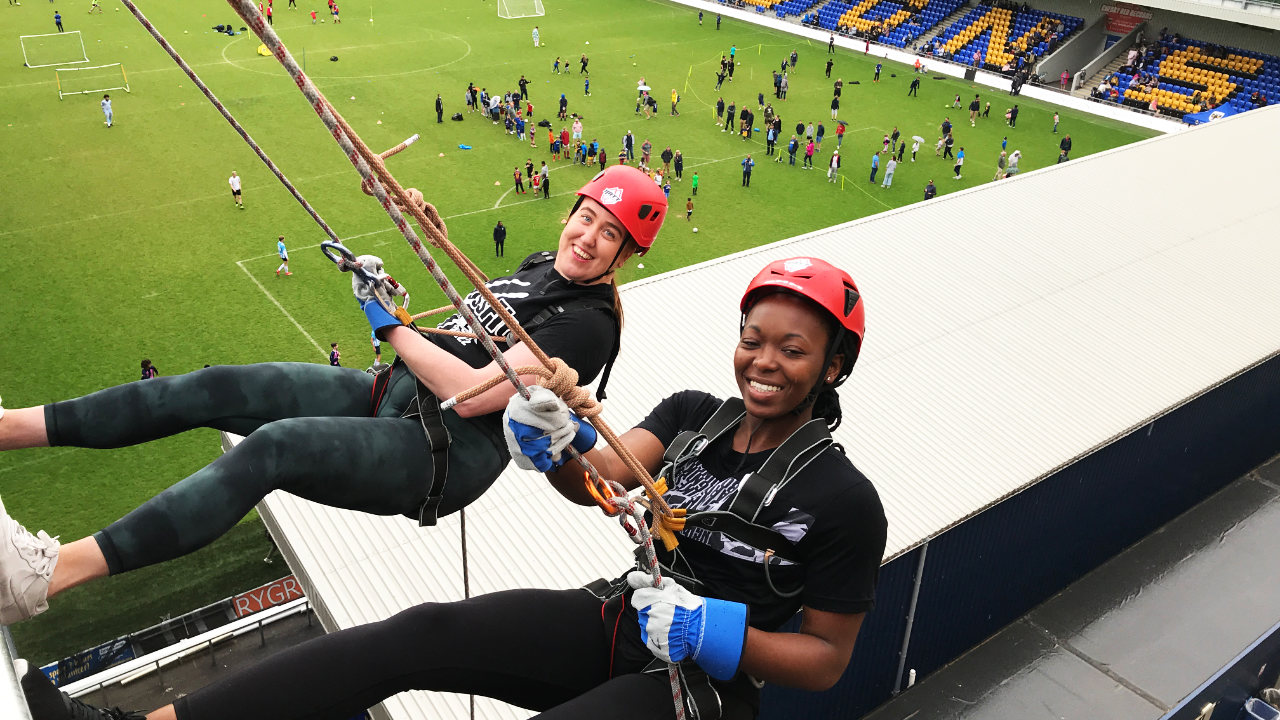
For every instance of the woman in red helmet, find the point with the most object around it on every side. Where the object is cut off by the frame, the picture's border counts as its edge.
(398, 452)
(814, 545)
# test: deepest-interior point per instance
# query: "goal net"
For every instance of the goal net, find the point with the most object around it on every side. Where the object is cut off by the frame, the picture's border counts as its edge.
(64, 48)
(100, 78)
(511, 9)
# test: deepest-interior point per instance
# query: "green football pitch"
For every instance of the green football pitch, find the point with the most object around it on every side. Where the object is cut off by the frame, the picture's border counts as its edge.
(124, 242)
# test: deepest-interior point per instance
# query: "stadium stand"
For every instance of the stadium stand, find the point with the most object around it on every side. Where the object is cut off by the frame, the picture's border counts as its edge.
(1005, 37)
(1193, 77)
(892, 23)
(798, 8)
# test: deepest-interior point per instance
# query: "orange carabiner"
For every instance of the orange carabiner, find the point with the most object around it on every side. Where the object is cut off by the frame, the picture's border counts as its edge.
(604, 501)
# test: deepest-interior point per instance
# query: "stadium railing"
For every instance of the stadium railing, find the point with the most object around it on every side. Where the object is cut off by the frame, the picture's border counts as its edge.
(139, 668)
(12, 703)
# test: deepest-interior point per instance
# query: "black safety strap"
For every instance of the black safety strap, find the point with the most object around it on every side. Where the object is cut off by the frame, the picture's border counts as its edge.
(426, 407)
(758, 488)
(797, 451)
(686, 445)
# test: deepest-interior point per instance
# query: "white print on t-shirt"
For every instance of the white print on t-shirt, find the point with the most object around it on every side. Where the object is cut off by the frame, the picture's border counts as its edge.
(488, 317)
(698, 490)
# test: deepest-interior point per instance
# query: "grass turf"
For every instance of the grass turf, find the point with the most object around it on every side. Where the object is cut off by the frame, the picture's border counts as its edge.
(126, 243)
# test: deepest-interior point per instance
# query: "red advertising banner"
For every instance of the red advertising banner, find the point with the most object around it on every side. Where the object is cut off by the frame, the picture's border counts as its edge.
(1123, 17)
(259, 599)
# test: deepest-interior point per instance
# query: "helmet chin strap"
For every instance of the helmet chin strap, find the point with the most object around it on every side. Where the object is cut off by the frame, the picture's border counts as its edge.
(823, 382)
(611, 269)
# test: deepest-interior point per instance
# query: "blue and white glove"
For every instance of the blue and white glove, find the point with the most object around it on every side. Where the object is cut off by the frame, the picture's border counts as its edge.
(677, 625)
(377, 315)
(538, 429)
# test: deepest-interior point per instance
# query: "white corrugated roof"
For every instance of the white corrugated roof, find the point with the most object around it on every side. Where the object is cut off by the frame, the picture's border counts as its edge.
(1010, 329)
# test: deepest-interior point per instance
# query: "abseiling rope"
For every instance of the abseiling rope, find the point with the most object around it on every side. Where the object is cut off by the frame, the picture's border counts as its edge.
(217, 104)
(374, 173)
(376, 180)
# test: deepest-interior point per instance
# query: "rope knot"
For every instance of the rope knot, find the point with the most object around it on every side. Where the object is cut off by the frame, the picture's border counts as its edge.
(563, 381)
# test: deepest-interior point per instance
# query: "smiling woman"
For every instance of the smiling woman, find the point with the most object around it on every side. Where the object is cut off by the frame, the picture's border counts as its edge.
(415, 459)
(603, 651)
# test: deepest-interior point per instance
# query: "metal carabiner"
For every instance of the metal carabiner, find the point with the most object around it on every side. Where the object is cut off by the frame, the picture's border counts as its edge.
(381, 288)
(346, 261)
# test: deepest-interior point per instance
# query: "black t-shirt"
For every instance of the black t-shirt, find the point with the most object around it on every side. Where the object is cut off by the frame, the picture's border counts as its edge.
(829, 510)
(583, 338)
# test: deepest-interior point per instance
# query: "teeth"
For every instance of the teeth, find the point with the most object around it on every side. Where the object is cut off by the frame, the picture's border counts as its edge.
(581, 254)
(761, 387)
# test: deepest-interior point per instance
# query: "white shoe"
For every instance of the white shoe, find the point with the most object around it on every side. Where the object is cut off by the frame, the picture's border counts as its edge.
(26, 565)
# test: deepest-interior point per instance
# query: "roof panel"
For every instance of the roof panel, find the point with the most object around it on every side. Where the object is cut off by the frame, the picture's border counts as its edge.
(1011, 328)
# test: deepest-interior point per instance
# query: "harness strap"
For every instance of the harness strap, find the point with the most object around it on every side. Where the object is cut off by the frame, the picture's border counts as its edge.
(426, 407)
(784, 463)
(686, 444)
(380, 382)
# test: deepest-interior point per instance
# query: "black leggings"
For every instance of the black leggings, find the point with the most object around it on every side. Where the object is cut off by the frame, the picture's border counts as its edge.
(559, 652)
(309, 432)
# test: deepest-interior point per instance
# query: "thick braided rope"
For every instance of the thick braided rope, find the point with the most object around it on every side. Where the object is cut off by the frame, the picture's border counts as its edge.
(222, 110)
(362, 158)
(374, 172)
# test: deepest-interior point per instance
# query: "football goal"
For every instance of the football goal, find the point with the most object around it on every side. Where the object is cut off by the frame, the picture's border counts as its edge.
(64, 48)
(100, 78)
(511, 9)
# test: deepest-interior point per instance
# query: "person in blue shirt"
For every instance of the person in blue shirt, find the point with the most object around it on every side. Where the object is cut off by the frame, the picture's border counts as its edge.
(875, 166)
(747, 165)
(284, 257)
(335, 357)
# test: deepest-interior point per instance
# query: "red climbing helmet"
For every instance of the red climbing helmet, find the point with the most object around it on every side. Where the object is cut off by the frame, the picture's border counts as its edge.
(632, 197)
(823, 283)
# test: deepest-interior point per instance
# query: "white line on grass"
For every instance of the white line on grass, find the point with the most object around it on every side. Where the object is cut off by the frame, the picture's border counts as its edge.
(275, 71)
(280, 307)
(43, 457)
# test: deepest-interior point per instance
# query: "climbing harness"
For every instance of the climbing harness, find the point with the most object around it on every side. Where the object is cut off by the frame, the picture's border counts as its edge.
(756, 490)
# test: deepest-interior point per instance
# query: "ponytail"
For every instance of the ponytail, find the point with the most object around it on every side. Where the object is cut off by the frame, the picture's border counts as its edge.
(617, 303)
(827, 407)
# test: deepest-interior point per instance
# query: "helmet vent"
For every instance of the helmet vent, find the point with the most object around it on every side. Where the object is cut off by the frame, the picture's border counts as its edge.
(644, 211)
(851, 298)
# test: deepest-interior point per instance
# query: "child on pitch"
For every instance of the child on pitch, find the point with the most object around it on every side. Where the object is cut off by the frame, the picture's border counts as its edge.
(234, 182)
(291, 412)
(335, 357)
(688, 209)
(718, 611)
(284, 257)
(106, 112)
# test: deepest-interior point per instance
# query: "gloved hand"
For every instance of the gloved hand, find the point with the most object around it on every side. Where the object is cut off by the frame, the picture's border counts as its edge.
(538, 429)
(676, 625)
(373, 265)
(377, 315)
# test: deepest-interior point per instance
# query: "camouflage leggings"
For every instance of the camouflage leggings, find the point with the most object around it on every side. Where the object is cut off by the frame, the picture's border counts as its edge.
(309, 432)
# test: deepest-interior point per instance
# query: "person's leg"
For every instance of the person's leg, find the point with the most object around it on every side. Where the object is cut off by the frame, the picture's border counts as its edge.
(374, 465)
(533, 648)
(237, 398)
